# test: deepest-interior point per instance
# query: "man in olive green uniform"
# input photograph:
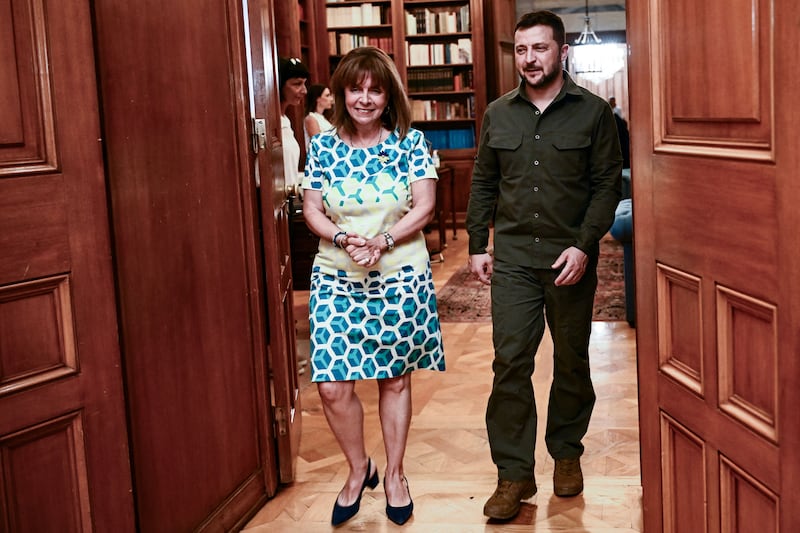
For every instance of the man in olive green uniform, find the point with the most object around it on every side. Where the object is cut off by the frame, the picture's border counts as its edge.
(548, 176)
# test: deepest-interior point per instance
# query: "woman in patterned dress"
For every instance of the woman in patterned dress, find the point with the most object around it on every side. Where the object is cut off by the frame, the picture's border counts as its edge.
(370, 189)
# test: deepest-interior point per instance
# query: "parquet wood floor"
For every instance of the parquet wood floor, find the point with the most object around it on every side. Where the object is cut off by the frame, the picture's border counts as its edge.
(448, 464)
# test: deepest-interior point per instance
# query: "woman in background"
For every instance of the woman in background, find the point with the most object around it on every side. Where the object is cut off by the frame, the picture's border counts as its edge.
(318, 102)
(292, 74)
(370, 189)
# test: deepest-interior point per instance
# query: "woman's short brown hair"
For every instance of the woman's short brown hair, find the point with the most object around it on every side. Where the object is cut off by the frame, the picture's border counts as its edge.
(375, 63)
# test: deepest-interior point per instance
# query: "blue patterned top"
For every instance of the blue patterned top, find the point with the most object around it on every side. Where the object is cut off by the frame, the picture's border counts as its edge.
(367, 190)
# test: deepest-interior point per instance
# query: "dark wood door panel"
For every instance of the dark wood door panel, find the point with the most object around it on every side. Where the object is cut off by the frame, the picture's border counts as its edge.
(52, 451)
(62, 422)
(715, 195)
(27, 131)
(33, 218)
(734, 217)
(736, 114)
(275, 220)
(37, 335)
(185, 223)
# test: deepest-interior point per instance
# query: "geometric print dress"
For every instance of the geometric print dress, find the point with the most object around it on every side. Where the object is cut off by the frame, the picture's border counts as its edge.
(380, 321)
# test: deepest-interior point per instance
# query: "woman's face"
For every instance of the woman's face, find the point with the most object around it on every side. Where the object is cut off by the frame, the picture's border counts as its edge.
(294, 90)
(325, 100)
(365, 102)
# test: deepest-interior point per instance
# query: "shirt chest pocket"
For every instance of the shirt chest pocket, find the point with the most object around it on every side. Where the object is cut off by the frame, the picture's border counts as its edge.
(572, 155)
(506, 146)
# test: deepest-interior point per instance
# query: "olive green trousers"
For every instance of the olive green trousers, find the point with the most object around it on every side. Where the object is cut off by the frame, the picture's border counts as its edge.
(522, 299)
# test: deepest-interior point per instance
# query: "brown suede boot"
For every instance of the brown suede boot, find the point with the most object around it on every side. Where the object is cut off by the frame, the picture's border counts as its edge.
(504, 504)
(567, 477)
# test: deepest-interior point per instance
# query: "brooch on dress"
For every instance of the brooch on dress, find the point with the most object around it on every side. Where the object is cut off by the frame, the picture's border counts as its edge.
(383, 157)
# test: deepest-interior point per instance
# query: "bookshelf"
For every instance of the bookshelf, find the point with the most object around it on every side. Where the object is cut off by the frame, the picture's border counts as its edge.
(297, 35)
(441, 70)
(444, 68)
(354, 23)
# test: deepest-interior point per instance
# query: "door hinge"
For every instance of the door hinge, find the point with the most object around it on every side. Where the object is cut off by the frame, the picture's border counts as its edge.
(280, 421)
(259, 134)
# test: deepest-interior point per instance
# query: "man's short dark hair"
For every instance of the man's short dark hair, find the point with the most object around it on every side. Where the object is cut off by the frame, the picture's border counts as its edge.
(544, 18)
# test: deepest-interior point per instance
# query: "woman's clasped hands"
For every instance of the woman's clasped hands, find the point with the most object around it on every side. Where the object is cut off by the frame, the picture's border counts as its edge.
(363, 251)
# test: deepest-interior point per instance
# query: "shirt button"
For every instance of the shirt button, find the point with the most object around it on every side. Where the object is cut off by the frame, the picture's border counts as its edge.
(536, 215)
(536, 112)
(536, 163)
(536, 189)
(536, 239)
(537, 137)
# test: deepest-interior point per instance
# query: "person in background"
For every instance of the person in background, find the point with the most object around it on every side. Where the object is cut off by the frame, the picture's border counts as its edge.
(370, 189)
(318, 102)
(612, 101)
(549, 165)
(624, 140)
(292, 74)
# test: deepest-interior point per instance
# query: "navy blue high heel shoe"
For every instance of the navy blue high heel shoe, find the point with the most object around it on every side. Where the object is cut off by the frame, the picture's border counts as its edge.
(341, 513)
(400, 515)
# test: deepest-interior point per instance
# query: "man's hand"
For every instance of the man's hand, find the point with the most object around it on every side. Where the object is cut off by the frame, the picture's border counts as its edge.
(574, 262)
(482, 265)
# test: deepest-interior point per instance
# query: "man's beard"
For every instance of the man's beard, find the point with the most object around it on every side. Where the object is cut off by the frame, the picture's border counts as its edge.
(546, 80)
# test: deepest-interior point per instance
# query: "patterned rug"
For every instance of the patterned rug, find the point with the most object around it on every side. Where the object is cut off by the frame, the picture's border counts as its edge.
(465, 299)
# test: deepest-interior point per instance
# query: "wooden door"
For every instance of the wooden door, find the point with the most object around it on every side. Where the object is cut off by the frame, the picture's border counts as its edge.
(275, 219)
(182, 180)
(714, 121)
(501, 70)
(63, 443)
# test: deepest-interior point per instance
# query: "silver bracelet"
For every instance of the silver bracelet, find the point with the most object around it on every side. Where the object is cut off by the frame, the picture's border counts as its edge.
(389, 241)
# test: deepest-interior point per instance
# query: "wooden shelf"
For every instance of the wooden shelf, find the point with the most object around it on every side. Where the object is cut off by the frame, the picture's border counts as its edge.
(380, 28)
(426, 94)
(436, 3)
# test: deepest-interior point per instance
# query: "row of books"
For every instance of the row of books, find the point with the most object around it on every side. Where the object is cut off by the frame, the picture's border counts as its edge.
(451, 139)
(442, 109)
(341, 43)
(439, 79)
(420, 54)
(362, 15)
(449, 19)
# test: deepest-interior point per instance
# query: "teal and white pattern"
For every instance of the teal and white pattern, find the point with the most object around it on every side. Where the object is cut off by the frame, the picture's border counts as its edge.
(378, 322)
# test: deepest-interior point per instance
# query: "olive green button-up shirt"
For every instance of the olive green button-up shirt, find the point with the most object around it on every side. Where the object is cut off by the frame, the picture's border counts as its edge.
(548, 180)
